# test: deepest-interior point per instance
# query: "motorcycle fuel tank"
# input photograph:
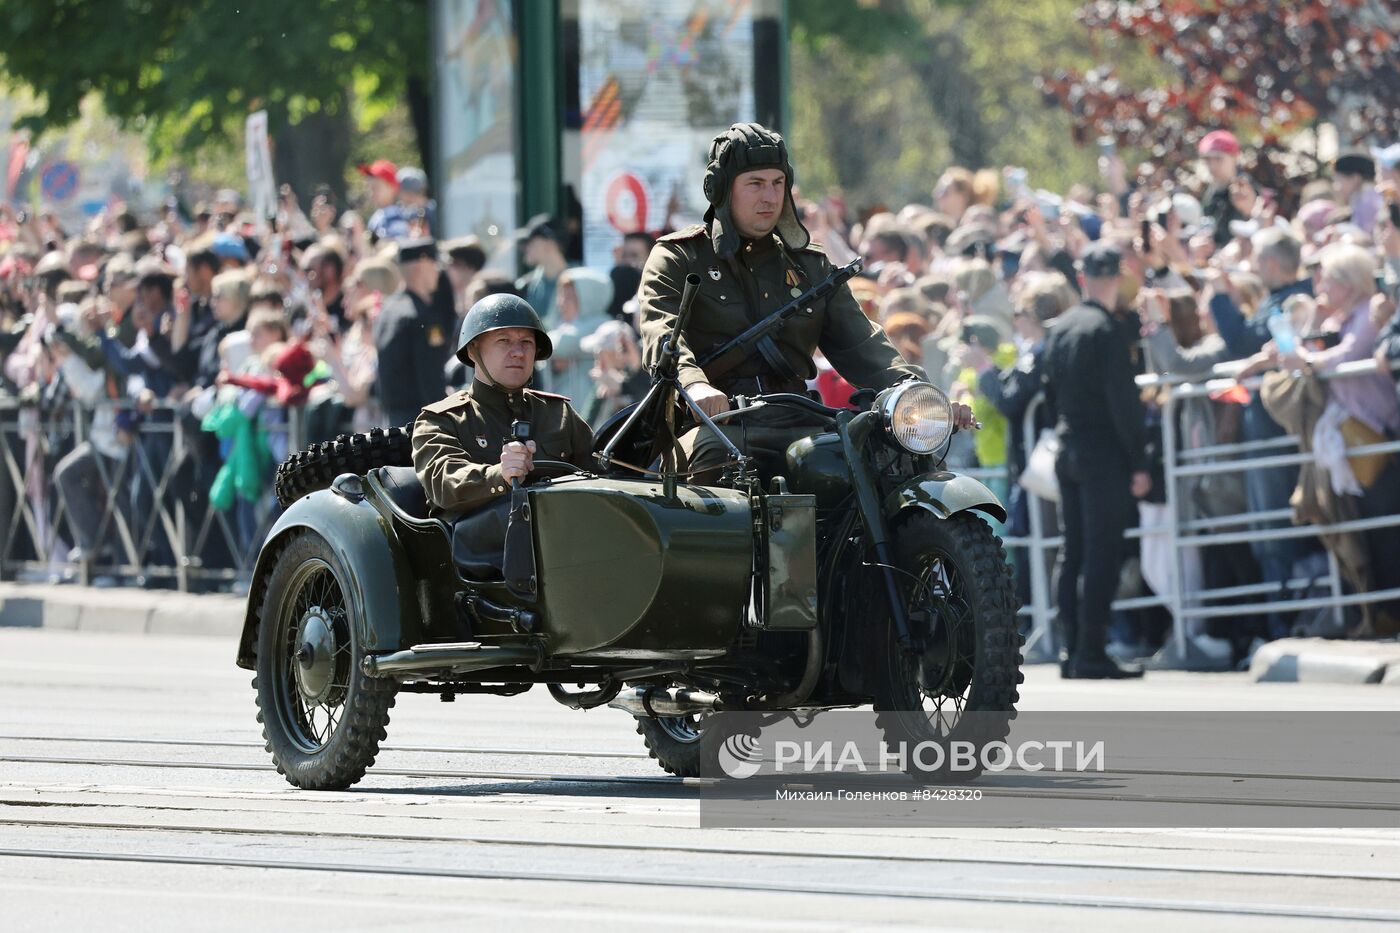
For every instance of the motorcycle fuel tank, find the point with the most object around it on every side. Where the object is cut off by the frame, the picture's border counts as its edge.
(816, 465)
(627, 572)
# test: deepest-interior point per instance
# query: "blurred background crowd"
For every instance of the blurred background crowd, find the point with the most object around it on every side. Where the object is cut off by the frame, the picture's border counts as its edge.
(255, 337)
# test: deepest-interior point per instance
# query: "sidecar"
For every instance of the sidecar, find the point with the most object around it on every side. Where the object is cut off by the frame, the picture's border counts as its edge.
(625, 572)
(355, 595)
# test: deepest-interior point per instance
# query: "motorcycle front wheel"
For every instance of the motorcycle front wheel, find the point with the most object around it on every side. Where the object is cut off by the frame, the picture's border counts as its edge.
(962, 686)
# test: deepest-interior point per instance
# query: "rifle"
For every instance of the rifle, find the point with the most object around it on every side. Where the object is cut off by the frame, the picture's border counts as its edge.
(734, 351)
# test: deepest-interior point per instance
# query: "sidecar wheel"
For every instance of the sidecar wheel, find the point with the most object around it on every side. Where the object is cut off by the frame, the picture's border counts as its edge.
(956, 578)
(674, 741)
(322, 717)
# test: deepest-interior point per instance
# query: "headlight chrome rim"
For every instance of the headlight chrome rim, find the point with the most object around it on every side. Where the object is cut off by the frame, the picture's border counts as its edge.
(918, 417)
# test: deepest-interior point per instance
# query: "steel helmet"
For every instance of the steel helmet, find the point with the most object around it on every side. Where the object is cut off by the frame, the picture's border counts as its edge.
(497, 312)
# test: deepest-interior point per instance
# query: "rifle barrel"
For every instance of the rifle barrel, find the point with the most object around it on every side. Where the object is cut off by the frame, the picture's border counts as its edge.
(688, 293)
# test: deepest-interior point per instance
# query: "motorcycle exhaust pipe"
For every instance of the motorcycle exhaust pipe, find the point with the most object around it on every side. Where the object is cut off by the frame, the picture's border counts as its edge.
(671, 701)
(455, 659)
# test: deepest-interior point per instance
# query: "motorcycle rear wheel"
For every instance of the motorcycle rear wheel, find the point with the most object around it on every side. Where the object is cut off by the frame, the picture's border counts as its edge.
(322, 717)
(957, 585)
(674, 741)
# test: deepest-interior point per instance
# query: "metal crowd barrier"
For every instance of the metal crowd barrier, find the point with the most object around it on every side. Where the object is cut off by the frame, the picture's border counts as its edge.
(157, 525)
(1181, 534)
(163, 530)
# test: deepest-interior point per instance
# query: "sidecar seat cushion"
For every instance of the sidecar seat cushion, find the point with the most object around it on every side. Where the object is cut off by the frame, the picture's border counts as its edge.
(405, 490)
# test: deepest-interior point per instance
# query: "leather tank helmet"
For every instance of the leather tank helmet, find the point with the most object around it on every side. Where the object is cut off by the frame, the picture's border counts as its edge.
(498, 312)
(746, 147)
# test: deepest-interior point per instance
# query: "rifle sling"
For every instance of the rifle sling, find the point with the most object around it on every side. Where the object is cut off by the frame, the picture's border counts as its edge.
(766, 346)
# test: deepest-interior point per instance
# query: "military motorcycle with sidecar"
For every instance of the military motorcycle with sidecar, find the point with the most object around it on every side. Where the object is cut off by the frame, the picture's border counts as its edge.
(865, 575)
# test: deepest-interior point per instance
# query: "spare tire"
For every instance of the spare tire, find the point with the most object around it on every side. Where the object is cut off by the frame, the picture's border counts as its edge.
(318, 465)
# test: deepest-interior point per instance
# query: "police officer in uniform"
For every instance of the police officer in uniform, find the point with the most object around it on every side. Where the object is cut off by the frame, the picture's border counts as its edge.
(1102, 466)
(753, 256)
(463, 447)
(413, 335)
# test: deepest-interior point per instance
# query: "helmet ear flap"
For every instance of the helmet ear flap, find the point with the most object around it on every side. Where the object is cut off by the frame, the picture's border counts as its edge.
(712, 182)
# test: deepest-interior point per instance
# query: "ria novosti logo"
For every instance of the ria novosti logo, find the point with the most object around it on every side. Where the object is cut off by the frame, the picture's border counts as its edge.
(740, 756)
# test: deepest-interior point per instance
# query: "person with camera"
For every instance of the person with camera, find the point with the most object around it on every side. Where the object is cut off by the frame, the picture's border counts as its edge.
(1102, 466)
(753, 255)
(1277, 259)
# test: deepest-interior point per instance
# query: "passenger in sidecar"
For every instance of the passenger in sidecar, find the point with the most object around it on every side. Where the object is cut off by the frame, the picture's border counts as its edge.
(471, 447)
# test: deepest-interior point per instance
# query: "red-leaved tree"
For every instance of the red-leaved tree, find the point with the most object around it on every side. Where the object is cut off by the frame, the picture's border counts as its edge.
(1265, 68)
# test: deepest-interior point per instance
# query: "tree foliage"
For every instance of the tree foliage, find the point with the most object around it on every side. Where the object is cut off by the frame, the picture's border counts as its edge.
(187, 72)
(885, 95)
(1266, 68)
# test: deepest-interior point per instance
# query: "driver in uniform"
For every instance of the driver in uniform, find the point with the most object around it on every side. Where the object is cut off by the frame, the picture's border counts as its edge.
(753, 256)
(463, 448)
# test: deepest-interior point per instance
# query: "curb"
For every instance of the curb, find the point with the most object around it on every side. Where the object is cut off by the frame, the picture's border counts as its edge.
(125, 611)
(1324, 661)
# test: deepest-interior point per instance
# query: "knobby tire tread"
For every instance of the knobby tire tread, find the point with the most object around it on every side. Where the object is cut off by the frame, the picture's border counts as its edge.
(316, 467)
(992, 596)
(354, 745)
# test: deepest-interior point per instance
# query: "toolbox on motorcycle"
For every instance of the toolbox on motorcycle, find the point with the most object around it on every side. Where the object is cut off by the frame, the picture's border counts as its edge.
(788, 527)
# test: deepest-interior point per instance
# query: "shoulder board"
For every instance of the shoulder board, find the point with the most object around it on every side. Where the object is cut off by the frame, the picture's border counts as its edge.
(814, 248)
(537, 392)
(685, 233)
(456, 400)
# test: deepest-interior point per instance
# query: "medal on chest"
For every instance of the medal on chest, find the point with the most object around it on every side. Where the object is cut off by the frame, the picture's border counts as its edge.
(481, 440)
(791, 278)
(714, 273)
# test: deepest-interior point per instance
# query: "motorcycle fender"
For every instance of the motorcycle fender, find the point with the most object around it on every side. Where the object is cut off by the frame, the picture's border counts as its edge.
(944, 494)
(378, 576)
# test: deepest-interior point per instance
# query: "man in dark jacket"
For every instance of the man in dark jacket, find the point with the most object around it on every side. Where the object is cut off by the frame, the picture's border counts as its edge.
(1231, 193)
(413, 335)
(1102, 465)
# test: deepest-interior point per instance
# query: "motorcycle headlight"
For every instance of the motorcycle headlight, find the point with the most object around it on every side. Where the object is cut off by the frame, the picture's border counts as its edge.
(918, 417)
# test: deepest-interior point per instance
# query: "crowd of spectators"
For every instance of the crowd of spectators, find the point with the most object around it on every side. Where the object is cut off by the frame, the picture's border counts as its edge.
(227, 325)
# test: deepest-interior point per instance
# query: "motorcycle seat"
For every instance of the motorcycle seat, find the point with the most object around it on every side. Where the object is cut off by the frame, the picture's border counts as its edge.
(404, 490)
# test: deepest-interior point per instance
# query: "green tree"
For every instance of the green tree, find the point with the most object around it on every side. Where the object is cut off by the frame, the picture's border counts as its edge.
(888, 93)
(188, 72)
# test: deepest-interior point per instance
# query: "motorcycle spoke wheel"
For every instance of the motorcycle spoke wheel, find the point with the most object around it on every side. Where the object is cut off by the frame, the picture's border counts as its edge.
(959, 599)
(322, 717)
(312, 719)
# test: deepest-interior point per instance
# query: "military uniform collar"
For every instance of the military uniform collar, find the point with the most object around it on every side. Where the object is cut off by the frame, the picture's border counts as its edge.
(490, 394)
(761, 246)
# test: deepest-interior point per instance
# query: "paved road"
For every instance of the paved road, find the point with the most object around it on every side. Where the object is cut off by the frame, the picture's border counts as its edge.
(135, 795)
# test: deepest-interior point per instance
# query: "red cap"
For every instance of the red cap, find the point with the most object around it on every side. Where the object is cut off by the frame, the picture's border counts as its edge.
(1219, 141)
(382, 169)
(293, 364)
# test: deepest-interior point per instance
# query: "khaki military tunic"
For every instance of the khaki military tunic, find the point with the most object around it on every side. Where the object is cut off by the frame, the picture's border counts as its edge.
(733, 295)
(457, 442)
